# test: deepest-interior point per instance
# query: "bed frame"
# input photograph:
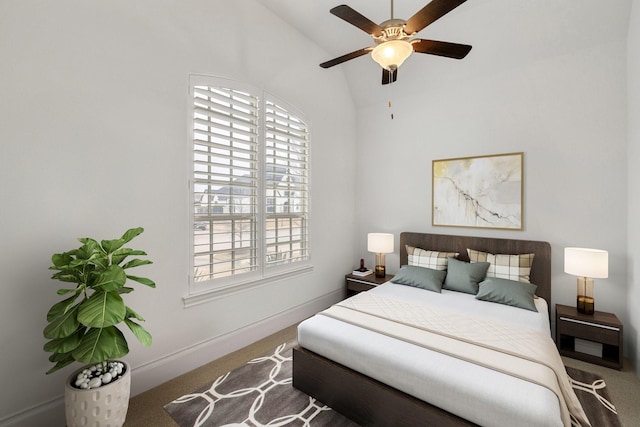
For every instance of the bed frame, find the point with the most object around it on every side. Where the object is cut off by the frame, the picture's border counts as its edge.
(371, 403)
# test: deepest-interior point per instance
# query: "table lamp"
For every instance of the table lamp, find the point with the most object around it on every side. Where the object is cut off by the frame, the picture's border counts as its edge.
(380, 243)
(587, 264)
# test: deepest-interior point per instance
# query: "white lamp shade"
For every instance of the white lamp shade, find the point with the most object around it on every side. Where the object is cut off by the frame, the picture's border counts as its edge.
(380, 243)
(392, 54)
(583, 262)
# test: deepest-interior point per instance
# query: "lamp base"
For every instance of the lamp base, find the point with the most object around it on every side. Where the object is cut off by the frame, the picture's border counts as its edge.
(585, 304)
(380, 271)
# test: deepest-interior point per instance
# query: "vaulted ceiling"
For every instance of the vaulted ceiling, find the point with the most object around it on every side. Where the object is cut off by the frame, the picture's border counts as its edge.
(504, 34)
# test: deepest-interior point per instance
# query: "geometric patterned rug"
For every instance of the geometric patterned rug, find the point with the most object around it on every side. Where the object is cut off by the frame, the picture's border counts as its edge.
(260, 394)
(255, 395)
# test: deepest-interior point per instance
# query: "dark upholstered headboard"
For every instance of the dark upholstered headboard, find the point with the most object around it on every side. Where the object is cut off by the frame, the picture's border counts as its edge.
(540, 270)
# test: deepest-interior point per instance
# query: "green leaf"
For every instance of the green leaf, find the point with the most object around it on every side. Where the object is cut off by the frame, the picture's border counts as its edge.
(141, 333)
(117, 259)
(61, 260)
(110, 246)
(65, 291)
(57, 357)
(59, 309)
(110, 279)
(101, 260)
(101, 344)
(129, 251)
(102, 309)
(67, 276)
(62, 325)
(131, 233)
(65, 345)
(118, 256)
(137, 263)
(78, 264)
(85, 251)
(125, 290)
(131, 313)
(61, 360)
(142, 280)
(89, 241)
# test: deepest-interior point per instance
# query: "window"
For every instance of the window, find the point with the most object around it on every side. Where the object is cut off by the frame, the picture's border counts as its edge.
(286, 189)
(250, 186)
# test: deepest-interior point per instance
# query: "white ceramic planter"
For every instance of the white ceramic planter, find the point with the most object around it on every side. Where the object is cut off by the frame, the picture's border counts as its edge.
(104, 406)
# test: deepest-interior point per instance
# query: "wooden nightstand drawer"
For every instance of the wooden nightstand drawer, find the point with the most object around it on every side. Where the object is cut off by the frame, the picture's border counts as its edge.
(595, 338)
(358, 286)
(355, 284)
(588, 330)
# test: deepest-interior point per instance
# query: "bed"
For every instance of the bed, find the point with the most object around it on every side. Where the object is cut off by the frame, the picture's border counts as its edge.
(378, 378)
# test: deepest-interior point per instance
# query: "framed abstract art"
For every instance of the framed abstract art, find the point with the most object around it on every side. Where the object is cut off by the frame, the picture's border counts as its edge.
(479, 192)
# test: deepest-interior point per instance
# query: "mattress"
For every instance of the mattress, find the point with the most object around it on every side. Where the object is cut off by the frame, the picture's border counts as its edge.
(478, 394)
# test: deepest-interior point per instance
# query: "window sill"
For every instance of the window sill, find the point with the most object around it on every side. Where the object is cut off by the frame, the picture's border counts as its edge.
(223, 291)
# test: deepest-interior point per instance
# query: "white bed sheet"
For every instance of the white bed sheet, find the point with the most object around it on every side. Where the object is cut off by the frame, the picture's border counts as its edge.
(478, 394)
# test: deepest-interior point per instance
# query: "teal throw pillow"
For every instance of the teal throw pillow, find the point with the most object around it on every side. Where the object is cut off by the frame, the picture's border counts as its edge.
(508, 292)
(420, 277)
(465, 277)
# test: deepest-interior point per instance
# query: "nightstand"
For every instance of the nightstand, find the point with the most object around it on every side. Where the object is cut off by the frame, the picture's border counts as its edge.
(595, 338)
(356, 284)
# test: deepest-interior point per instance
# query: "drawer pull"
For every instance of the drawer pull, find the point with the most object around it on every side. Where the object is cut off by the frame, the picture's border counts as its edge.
(595, 325)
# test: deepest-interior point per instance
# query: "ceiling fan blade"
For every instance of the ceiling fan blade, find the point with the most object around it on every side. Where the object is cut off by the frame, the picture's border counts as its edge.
(348, 56)
(389, 77)
(355, 18)
(433, 11)
(434, 47)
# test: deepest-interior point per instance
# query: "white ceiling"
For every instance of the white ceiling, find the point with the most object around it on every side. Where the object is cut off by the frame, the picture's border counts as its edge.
(503, 33)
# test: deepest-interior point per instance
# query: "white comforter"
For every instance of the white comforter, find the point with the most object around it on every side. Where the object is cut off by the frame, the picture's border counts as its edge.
(478, 394)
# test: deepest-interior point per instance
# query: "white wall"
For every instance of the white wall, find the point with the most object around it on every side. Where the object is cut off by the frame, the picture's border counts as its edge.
(563, 104)
(633, 78)
(94, 140)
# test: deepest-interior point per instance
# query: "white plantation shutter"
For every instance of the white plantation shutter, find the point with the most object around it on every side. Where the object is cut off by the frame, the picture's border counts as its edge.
(250, 187)
(286, 186)
(225, 182)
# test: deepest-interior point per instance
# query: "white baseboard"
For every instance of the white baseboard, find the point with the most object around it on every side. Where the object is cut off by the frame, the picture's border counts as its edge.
(159, 371)
(154, 373)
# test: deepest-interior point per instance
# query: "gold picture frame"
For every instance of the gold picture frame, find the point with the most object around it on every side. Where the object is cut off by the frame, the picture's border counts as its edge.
(478, 192)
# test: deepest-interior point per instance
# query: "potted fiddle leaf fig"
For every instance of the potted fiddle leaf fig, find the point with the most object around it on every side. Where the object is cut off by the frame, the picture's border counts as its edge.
(83, 327)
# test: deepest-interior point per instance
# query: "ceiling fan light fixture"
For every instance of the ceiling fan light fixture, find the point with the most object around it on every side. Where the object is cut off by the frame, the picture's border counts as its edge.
(391, 54)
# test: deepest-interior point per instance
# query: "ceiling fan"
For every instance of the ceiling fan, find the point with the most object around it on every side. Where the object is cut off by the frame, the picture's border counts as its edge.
(393, 38)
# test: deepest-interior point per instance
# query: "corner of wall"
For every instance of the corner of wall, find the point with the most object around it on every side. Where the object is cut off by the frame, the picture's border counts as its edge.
(633, 143)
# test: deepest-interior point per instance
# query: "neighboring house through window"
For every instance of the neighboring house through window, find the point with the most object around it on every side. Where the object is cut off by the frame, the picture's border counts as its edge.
(249, 185)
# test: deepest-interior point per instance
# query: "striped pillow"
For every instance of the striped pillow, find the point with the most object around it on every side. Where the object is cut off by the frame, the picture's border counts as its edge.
(511, 267)
(429, 259)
